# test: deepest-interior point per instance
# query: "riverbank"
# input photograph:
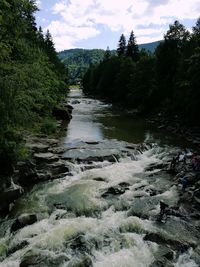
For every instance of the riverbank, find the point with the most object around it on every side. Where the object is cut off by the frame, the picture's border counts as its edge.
(42, 163)
(174, 125)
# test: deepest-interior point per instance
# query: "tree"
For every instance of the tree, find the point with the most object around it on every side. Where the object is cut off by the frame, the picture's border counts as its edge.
(178, 34)
(107, 54)
(121, 50)
(132, 48)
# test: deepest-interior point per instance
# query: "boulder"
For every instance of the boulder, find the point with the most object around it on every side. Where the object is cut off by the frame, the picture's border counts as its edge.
(18, 247)
(116, 190)
(62, 113)
(23, 220)
(27, 173)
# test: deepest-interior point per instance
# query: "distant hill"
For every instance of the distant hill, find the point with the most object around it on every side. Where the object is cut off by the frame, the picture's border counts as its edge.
(150, 46)
(78, 60)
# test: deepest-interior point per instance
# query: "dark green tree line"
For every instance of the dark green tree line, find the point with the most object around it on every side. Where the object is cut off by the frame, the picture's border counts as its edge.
(32, 78)
(167, 79)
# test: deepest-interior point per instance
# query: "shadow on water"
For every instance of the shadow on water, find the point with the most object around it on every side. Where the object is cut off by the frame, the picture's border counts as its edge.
(96, 120)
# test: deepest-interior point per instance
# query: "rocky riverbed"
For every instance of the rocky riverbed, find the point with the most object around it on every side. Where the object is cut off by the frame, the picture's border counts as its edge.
(96, 202)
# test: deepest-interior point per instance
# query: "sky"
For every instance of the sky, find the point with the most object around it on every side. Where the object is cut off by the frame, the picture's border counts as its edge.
(99, 23)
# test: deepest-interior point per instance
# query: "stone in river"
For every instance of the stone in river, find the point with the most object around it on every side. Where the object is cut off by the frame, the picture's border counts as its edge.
(45, 157)
(23, 220)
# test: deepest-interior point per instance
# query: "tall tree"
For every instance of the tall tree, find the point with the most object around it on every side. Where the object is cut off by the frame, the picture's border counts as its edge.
(132, 48)
(121, 50)
(107, 54)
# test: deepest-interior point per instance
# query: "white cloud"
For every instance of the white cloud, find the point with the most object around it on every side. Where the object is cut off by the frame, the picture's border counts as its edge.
(80, 19)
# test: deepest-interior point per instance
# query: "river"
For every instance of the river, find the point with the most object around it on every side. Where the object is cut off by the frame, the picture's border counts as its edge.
(101, 214)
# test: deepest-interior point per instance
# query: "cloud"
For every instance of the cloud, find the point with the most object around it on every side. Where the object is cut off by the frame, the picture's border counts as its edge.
(79, 20)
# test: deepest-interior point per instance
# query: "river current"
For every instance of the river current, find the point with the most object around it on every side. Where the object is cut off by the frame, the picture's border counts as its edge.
(82, 221)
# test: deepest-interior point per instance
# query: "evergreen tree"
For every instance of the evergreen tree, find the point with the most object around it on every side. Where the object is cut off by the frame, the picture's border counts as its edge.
(132, 48)
(107, 54)
(121, 50)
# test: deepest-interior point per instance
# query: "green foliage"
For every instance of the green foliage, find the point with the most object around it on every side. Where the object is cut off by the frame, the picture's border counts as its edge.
(48, 126)
(32, 78)
(169, 79)
(78, 61)
(121, 50)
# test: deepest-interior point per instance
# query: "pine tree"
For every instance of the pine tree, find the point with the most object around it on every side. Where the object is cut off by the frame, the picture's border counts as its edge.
(132, 48)
(121, 50)
(107, 54)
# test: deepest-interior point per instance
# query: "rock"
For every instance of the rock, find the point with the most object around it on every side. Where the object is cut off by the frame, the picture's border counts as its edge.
(37, 147)
(27, 173)
(116, 190)
(92, 142)
(45, 157)
(62, 113)
(18, 247)
(44, 176)
(74, 102)
(10, 194)
(7, 197)
(84, 261)
(159, 239)
(58, 167)
(39, 260)
(87, 155)
(57, 150)
(99, 179)
(23, 220)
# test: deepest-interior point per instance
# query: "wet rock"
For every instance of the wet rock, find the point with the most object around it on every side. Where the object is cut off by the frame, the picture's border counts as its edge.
(153, 192)
(58, 167)
(45, 157)
(19, 246)
(44, 176)
(99, 179)
(161, 263)
(7, 197)
(37, 147)
(10, 194)
(75, 102)
(38, 260)
(116, 190)
(92, 142)
(83, 261)
(57, 150)
(80, 243)
(159, 239)
(153, 167)
(62, 113)
(23, 220)
(27, 172)
(86, 155)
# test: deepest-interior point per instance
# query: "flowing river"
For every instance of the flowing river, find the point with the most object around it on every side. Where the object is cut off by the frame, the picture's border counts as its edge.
(103, 214)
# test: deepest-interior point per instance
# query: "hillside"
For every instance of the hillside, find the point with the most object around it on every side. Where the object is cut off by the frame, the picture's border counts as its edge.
(78, 60)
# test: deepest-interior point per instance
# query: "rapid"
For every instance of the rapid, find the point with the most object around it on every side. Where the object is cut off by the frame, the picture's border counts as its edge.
(103, 213)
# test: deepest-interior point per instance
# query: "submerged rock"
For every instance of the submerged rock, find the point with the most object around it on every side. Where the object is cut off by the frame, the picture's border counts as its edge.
(23, 220)
(116, 190)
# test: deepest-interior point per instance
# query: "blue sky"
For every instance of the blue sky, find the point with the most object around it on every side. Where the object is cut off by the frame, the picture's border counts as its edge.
(99, 23)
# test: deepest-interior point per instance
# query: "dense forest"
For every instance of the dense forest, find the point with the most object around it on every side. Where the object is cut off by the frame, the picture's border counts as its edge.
(32, 78)
(78, 60)
(167, 80)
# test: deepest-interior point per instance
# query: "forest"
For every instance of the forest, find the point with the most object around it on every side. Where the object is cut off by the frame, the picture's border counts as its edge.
(32, 79)
(167, 80)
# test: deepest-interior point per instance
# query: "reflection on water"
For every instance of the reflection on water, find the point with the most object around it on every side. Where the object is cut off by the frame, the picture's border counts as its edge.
(95, 120)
